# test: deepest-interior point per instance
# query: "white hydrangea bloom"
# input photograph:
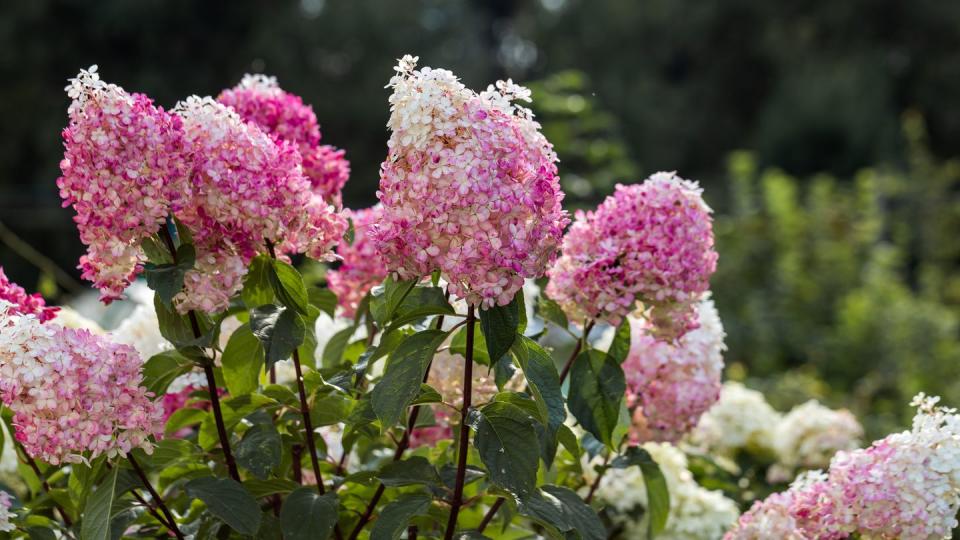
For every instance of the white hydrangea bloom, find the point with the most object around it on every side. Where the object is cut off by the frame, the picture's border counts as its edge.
(695, 513)
(5, 514)
(141, 330)
(194, 379)
(810, 434)
(741, 419)
(68, 317)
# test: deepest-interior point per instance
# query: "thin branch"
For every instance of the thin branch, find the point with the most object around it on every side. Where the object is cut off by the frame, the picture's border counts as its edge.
(171, 521)
(464, 446)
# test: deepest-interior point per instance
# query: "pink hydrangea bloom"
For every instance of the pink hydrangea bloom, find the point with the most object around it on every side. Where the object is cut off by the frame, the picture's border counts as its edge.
(671, 384)
(123, 172)
(651, 242)
(906, 485)
(259, 99)
(251, 192)
(74, 395)
(362, 267)
(469, 186)
(23, 303)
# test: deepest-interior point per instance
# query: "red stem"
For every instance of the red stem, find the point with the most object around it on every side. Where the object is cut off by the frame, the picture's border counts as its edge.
(464, 446)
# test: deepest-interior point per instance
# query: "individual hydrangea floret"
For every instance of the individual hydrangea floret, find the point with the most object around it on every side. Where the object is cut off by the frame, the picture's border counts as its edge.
(469, 187)
(361, 267)
(22, 303)
(740, 420)
(649, 242)
(74, 395)
(671, 384)
(906, 485)
(259, 99)
(123, 172)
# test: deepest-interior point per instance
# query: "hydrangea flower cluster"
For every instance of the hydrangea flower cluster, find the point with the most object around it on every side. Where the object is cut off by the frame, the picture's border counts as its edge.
(671, 384)
(469, 187)
(361, 266)
(251, 192)
(23, 303)
(740, 419)
(696, 513)
(259, 99)
(5, 514)
(129, 165)
(810, 434)
(906, 485)
(651, 242)
(74, 395)
(124, 171)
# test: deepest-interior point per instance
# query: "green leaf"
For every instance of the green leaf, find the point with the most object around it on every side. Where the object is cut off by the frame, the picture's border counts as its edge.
(307, 515)
(167, 279)
(187, 416)
(289, 287)
(228, 500)
(279, 329)
(458, 345)
(176, 328)
(259, 450)
(620, 346)
(265, 488)
(419, 303)
(563, 510)
(257, 287)
(395, 517)
(658, 496)
(403, 375)
(428, 394)
(156, 251)
(324, 299)
(500, 325)
(412, 471)
(161, 370)
(330, 408)
(597, 387)
(524, 402)
(172, 451)
(387, 298)
(551, 311)
(97, 514)
(234, 410)
(333, 352)
(541, 373)
(508, 446)
(242, 362)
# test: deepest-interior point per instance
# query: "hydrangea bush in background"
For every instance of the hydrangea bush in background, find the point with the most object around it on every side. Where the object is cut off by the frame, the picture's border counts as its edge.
(466, 369)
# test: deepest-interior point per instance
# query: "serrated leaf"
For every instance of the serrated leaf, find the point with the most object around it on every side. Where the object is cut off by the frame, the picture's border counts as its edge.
(234, 409)
(172, 451)
(162, 369)
(259, 450)
(409, 472)
(265, 488)
(508, 447)
(620, 347)
(500, 326)
(395, 517)
(564, 511)
(280, 330)
(403, 375)
(419, 303)
(597, 386)
(167, 279)
(242, 361)
(551, 311)
(333, 352)
(307, 515)
(458, 345)
(289, 287)
(541, 373)
(228, 500)
(428, 394)
(257, 287)
(387, 298)
(97, 514)
(658, 495)
(324, 299)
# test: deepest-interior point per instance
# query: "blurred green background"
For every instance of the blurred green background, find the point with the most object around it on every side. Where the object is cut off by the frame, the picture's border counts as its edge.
(825, 134)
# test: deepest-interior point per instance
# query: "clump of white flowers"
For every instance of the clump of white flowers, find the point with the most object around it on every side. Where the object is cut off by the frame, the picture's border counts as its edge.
(741, 419)
(696, 513)
(810, 434)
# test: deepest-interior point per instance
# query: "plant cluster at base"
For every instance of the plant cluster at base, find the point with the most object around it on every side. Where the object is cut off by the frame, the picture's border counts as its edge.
(459, 369)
